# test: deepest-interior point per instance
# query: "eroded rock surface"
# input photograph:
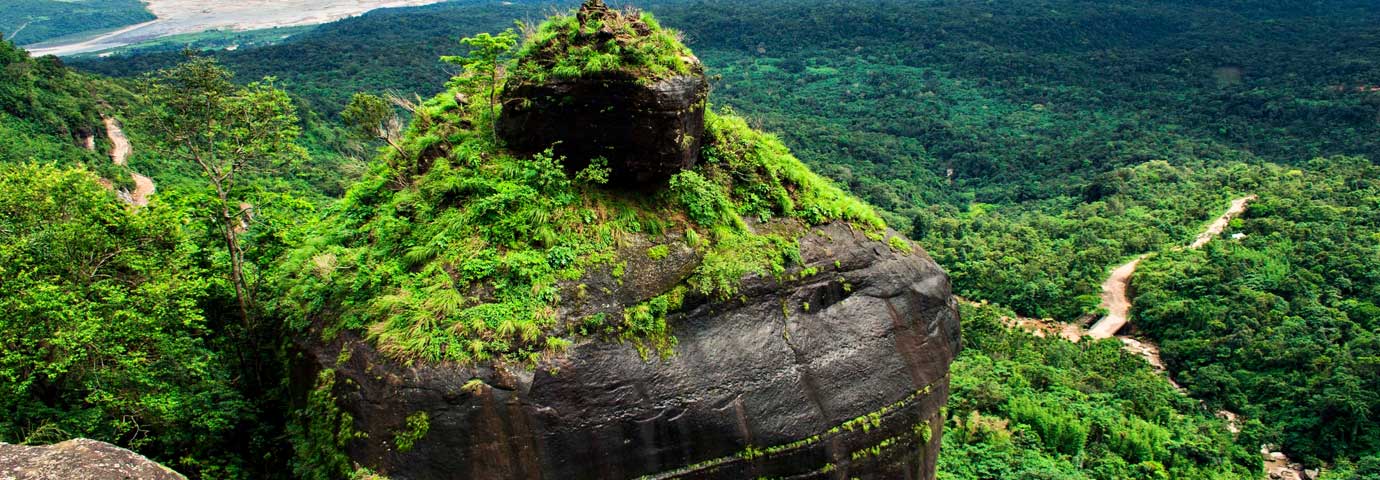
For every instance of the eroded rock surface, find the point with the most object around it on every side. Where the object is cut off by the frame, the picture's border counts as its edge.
(838, 372)
(79, 459)
(647, 126)
(647, 132)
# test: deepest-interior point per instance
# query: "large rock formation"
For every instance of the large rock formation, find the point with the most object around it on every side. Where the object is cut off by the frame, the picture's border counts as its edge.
(646, 132)
(647, 125)
(837, 370)
(510, 323)
(79, 459)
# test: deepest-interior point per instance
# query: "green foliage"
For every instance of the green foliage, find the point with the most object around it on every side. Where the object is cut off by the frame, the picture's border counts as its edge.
(320, 432)
(103, 335)
(369, 117)
(602, 41)
(1281, 325)
(659, 252)
(417, 426)
(197, 116)
(596, 173)
(1062, 432)
(46, 109)
(899, 244)
(482, 76)
(1028, 407)
(705, 202)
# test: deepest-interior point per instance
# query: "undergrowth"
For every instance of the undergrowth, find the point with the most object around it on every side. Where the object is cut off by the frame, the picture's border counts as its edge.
(606, 41)
(454, 249)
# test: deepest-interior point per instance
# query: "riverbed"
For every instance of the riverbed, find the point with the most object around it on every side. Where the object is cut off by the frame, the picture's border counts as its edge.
(191, 16)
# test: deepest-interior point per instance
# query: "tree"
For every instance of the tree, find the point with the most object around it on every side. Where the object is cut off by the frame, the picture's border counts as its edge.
(484, 67)
(370, 117)
(228, 131)
(102, 335)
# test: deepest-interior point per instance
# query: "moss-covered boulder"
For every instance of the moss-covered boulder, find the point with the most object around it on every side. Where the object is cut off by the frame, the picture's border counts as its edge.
(475, 309)
(612, 85)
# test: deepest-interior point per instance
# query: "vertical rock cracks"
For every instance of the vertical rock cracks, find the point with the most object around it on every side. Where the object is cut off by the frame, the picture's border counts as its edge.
(765, 384)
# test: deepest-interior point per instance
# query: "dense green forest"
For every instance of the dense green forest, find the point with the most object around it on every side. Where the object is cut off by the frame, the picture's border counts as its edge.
(927, 110)
(1028, 146)
(1281, 324)
(1030, 407)
(32, 21)
(123, 326)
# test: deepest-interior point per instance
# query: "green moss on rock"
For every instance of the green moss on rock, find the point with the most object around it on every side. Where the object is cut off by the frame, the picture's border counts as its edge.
(456, 249)
(598, 40)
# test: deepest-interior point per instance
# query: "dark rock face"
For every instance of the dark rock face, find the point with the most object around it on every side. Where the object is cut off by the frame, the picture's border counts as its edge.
(796, 379)
(79, 459)
(647, 132)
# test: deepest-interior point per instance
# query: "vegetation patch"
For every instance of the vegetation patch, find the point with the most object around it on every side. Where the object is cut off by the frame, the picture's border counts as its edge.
(416, 427)
(320, 433)
(455, 249)
(1022, 406)
(598, 40)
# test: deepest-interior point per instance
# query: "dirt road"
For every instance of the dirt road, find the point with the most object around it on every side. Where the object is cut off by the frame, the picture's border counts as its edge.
(1118, 305)
(1238, 207)
(119, 153)
(1114, 298)
(1116, 302)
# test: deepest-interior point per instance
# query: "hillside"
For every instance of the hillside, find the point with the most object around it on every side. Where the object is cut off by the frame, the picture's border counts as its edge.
(1027, 160)
(601, 234)
(928, 110)
(502, 253)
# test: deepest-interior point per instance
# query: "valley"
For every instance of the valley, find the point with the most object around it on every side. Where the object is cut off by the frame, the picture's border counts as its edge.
(710, 239)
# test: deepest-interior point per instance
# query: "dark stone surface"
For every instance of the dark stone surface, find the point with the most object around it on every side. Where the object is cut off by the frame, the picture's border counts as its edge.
(647, 132)
(762, 370)
(79, 459)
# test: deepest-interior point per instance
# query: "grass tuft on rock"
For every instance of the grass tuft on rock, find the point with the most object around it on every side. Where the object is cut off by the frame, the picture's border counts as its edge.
(598, 40)
(455, 249)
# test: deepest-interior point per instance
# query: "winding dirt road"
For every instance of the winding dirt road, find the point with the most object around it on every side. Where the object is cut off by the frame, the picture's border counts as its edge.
(1114, 298)
(1116, 302)
(1238, 207)
(1118, 305)
(119, 153)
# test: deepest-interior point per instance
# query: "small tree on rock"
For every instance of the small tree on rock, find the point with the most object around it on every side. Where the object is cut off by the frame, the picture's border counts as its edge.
(484, 68)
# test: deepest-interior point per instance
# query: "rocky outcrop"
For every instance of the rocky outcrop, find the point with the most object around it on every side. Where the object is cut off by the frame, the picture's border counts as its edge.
(648, 127)
(835, 370)
(79, 459)
(647, 132)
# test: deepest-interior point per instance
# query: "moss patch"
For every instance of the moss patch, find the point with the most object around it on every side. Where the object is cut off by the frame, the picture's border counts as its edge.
(598, 40)
(455, 249)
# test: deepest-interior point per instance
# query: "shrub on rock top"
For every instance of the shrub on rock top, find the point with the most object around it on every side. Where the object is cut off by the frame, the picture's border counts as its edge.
(611, 85)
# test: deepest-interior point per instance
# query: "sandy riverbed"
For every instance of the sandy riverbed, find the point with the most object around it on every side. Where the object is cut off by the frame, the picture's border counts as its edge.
(191, 16)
